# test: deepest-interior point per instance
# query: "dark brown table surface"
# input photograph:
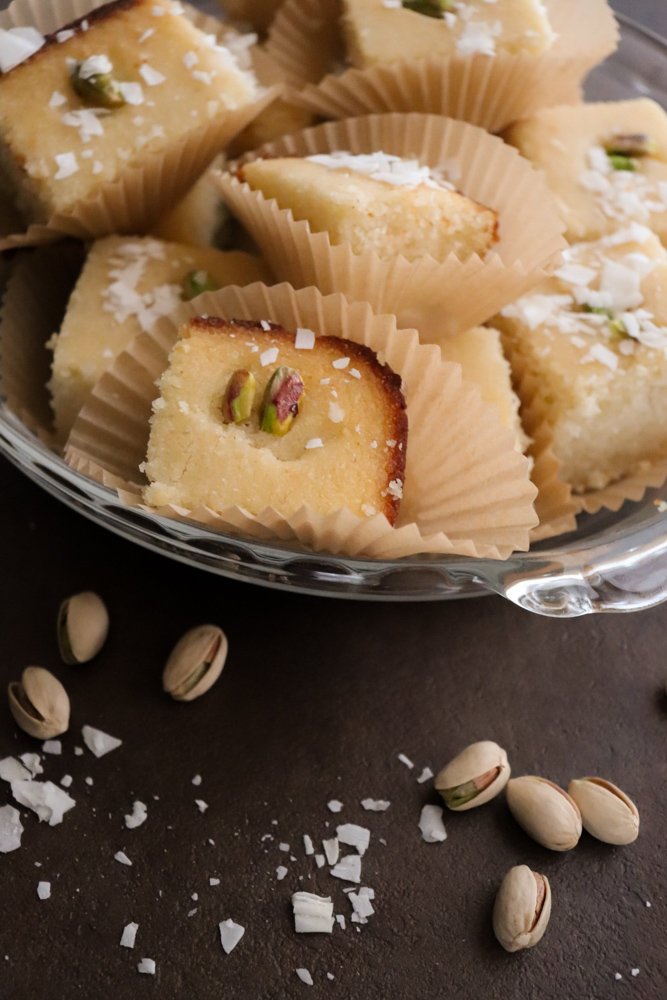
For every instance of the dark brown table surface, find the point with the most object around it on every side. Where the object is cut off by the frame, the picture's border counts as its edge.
(316, 701)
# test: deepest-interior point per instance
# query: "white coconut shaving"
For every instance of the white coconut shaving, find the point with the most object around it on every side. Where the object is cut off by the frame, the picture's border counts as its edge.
(32, 762)
(44, 890)
(305, 976)
(13, 770)
(52, 746)
(348, 868)
(331, 849)
(281, 872)
(137, 817)
(122, 857)
(334, 805)
(426, 775)
(304, 340)
(308, 844)
(320, 860)
(214, 881)
(361, 904)
(10, 829)
(375, 805)
(431, 825)
(312, 914)
(201, 805)
(43, 797)
(405, 760)
(98, 742)
(354, 836)
(147, 966)
(197, 779)
(230, 935)
(129, 935)
(17, 45)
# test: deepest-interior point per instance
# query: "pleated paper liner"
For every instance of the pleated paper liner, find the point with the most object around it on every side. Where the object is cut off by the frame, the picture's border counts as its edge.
(467, 491)
(32, 310)
(490, 91)
(556, 504)
(436, 298)
(135, 199)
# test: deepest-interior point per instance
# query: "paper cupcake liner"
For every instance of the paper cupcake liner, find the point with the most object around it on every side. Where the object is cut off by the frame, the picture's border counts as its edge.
(135, 199)
(488, 91)
(466, 491)
(437, 298)
(556, 504)
(32, 310)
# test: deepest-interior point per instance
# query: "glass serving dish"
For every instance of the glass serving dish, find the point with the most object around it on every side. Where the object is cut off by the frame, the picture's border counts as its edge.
(613, 562)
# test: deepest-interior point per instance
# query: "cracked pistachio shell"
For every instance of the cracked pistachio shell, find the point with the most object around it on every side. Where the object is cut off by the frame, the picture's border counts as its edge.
(545, 811)
(83, 624)
(195, 663)
(520, 916)
(606, 812)
(39, 703)
(477, 775)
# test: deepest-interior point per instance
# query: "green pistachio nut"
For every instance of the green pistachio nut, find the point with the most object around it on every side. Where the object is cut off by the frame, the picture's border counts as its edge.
(636, 144)
(281, 401)
(93, 81)
(196, 283)
(620, 161)
(618, 329)
(431, 8)
(597, 310)
(239, 397)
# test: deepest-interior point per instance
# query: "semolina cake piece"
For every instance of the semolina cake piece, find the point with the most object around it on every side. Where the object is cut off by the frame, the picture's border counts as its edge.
(134, 78)
(605, 163)
(594, 339)
(258, 13)
(125, 286)
(480, 353)
(386, 31)
(315, 421)
(198, 217)
(377, 202)
(279, 119)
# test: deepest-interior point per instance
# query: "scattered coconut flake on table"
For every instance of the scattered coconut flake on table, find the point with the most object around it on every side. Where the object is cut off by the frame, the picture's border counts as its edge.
(348, 868)
(52, 746)
(634, 972)
(32, 762)
(426, 775)
(283, 847)
(340, 919)
(431, 825)
(98, 742)
(201, 805)
(147, 966)
(305, 976)
(214, 881)
(362, 906)
(43, 797)
(331, 849)
(281, 872)
(66, 780)
(320, 860)
(138, 816)
(10, 829)
(334, 806)
(617, 975)
(312, 914)
(44, 890)
(354, 836)
(123, 858)
(375, 805)
(230, 935)
(308, 844)
(129, 935)
(13, 770)
(405, 760)
(78, 751)
(197, 779)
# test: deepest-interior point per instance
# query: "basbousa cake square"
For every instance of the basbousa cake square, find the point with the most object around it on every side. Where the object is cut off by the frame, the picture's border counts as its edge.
(132, 79)
(125, 286)
(341, 442)
(593, 339)
(386, 31)
(605, 163)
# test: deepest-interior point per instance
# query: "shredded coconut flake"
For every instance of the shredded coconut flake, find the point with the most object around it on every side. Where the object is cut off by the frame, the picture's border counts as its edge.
(375, 805)
(431, 825)
(147, 966)
(354, 836)
(312, 914)
(336, 413)
(334, 805)
(268, 357)
(138, 816)
(67, 166)
(230, 935)
(129, 935)
(44, 890)
(52, 746)
(348, 868)
(10, 829)
(304, 340)
(17, 45)
(132, 93)
(305, 976)
(426, 775)
(43, 797)
(201, 805)
(315, 443)
(57, 99)
(320, 860)
(12, 770)
(331, 849)
(405, 760)
(151, 77)
(98, 742)
(281, 872)
(340, 363)
(308, 844)
(122, 858)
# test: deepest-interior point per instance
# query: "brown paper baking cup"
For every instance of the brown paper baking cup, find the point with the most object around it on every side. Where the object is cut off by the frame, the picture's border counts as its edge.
(556, 504)
(488, 91)
(32, 310)
(131, 203)
(436, 298)
(467, 491)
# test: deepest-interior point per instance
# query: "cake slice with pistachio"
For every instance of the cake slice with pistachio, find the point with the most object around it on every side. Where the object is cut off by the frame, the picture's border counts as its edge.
(132, 79)
(605, 163)
(126, 285)
(253, 415)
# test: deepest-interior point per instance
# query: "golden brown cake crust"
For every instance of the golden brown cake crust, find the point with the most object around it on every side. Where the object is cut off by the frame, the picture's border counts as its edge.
(364, 358)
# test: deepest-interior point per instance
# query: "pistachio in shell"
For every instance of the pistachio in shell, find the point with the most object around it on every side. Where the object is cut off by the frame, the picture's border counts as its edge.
(39, 703)
(239, 397)
(522, 908)
(196, 283)
(545, 811)
(474, 777)
(195, 663)
(606, 812)
(281, 401)
(83, 624)
(92, 80)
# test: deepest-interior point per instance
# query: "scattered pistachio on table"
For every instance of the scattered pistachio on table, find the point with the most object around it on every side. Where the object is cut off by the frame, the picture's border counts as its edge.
(545, 811)
(195, 663)
(522, 908)
(83, 624)
(606, 812)
(39, 703)
(477, 775)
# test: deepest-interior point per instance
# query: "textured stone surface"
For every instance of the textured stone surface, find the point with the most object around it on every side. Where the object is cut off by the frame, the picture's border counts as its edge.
(316, 700)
